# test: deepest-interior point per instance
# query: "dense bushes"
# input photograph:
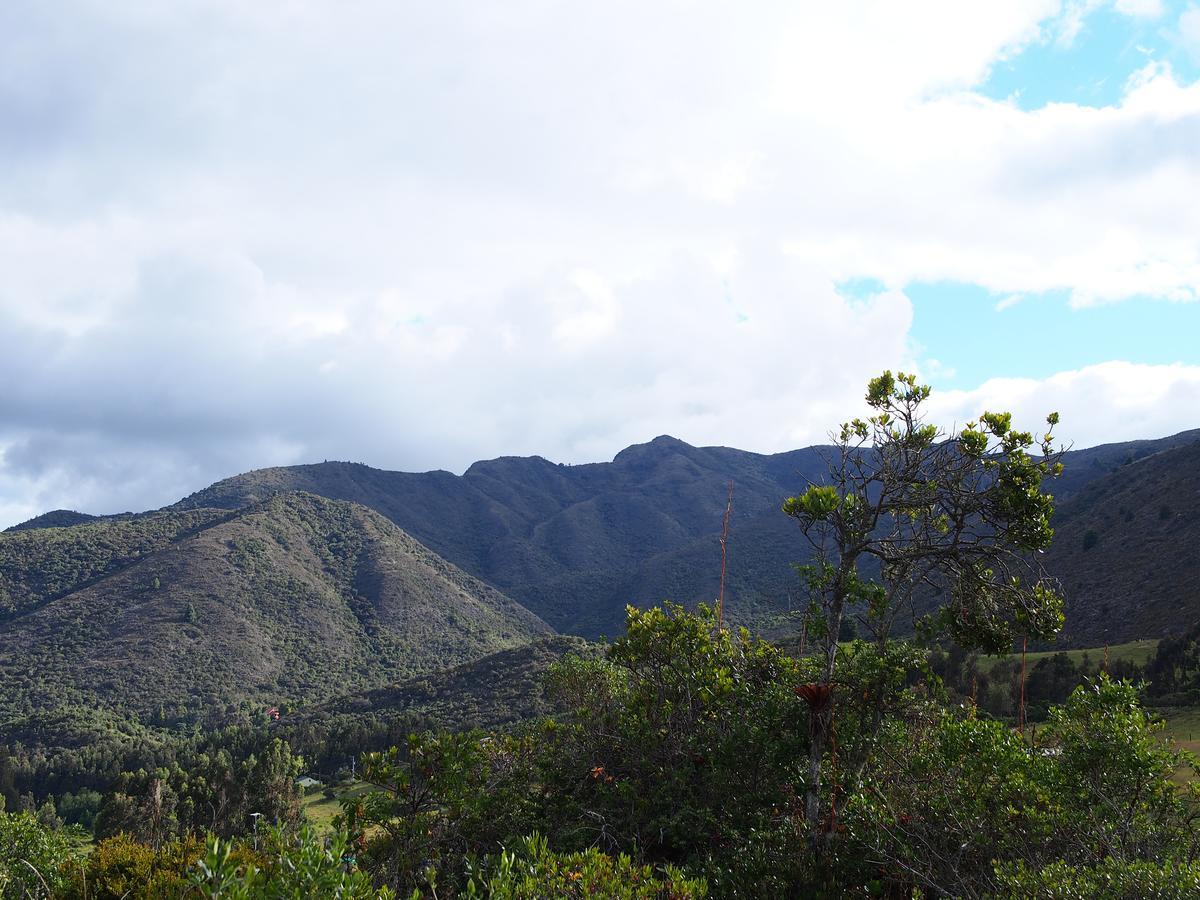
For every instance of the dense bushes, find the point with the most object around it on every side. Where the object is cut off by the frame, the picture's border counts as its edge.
(299, 864)
(960, 805)
(121, 867)
(680, 741)
(686, 748)
(680, 771)
(532, 871)
(683, 744)
(1111, 879)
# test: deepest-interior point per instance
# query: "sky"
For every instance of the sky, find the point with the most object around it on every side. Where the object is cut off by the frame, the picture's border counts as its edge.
(235, 235)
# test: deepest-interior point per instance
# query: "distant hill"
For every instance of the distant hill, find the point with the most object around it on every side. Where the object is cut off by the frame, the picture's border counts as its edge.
(179, 615)
(56, 518)
(42, 563)
(1125, 549)
(575, 544)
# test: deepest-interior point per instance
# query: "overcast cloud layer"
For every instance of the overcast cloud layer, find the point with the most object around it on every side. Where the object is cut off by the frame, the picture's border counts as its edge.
(414, 235)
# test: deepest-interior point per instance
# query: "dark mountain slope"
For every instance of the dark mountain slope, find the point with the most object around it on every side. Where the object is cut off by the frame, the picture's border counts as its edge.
(1127, 550)
(568, 542)
(490, 692)
(299, 598)
(1085, 466)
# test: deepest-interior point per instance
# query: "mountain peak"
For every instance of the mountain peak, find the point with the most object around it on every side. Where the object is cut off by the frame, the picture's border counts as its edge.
(666, 440)
(501, 464)
(661, 446)
(56, 518)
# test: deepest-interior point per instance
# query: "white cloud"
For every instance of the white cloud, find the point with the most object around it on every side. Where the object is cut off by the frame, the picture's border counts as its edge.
(1113, 401)
(243, 234)
(934, 370)
(1189, 30)
(1071, 22)
(1141, 9)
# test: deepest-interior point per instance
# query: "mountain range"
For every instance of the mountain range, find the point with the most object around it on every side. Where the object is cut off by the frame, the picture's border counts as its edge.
(575, 544)
(305, 583)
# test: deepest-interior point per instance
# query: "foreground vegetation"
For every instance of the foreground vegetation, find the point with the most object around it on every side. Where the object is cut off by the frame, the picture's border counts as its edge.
(680, 771)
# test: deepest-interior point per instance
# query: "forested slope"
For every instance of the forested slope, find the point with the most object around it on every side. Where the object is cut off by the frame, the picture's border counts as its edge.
(1127, 550)
(295, 599)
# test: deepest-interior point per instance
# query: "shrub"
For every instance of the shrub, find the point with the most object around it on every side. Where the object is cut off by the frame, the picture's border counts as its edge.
(532, 871)
(32, 857)
(683, 738)
(121, 867)
(300, 864)
(964, 806)
(1111, 879)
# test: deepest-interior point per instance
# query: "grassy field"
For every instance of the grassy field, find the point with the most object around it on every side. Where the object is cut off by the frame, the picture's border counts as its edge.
(1137, 652)
(320, 810)
(1183, 729)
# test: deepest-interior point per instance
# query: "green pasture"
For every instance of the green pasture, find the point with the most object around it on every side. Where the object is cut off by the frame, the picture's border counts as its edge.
(321, 810)
(1136, 652)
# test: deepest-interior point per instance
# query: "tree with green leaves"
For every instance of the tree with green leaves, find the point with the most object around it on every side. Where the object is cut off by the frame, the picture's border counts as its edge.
(31, 857)
(682, 744)
(912, 517)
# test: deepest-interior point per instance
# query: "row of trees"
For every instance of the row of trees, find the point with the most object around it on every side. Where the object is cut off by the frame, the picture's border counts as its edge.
(1000, 686)
(1174, 671)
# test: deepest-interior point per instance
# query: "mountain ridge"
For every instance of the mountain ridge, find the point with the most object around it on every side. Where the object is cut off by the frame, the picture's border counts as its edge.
(576, 543)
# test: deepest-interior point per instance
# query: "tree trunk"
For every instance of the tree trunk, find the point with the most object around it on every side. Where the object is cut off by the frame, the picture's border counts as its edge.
(812, 802)
(820, 708)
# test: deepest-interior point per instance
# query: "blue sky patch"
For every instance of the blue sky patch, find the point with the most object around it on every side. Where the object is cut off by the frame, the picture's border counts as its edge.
(1091, 70)
(860, 288)
(1039, 335)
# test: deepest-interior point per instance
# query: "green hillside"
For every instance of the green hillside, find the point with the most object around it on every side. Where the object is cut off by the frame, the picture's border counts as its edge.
(44, 563)
(56, 518)
(296, 599)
